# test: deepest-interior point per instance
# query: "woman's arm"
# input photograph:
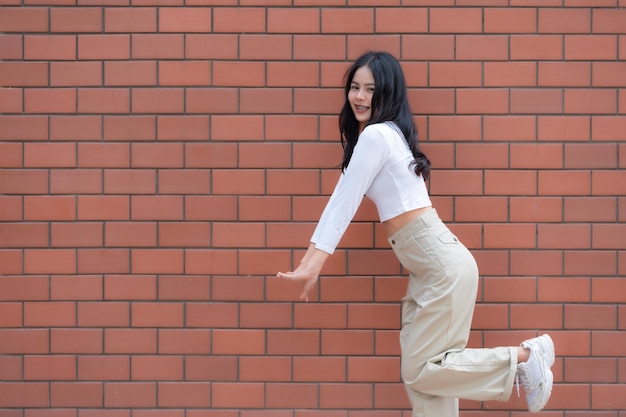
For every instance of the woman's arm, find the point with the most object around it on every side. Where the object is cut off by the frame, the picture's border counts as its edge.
(308, 271)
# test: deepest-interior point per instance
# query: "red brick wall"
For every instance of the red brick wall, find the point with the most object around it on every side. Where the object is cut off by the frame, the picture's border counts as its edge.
(161, 162)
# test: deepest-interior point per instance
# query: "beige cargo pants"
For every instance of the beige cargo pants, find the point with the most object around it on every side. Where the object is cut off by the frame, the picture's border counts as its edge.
(437, 311)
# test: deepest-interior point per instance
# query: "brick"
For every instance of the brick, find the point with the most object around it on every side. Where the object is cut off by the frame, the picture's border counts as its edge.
(264, 368)
(158, 46)
(43, 368)
(11, 155)
(194, 234)
(607, 236)
(607, 182)
(157, 207)
(293, 342)
(564, 236)
(454, 128)
(11, 47)
(93, 261)
(256, 155)
(357, 20)
(49, 261)
(483, 48)
(251, 19)
(591, 262)
(307, 100)
(130, 181)
(24, 74)
(103, 207)
(242, 74)
(507, 289)
(130, 287)
(156, 155)
(609, 74)
(211, 208)
(213, 100)
(24, 19)
(459, 74)
(590, 47)
(175, 19)
(83, 74)
(59, 100)
(130, 341)
(510, 20)
(608, 20)
(428, 47)
(501, 236)
(564, 128)
(345, 395)
(11, 208)
(100, 47)
(158, 261)
(404, 20)
(11, 369)
(104, 155)
(536, 209)
(482, 101)
(590, 209)
(184, 73)
(211, 46)
(590, 317)
(291, 395)
(157, 368)
(318, 47)
(589, 101)
(380, 316)
(74, 235)
(607, 128)
(187, 341)
(49, 47)
(130, 19)
(564, 20)
(212, 368)
(110, 100)
(79, 20)
(243, 182)
(103, 314)
(536, 47)
(211, 261)
(227, 288)
(130, 394)
(11, 316)
(76, 394)
(103, 368)
(24, 235)
(75, 128)
(536, 262)
(11, 100)
(238, 341)
(48, 155)
(474, 209)
(130, 73)
(187, 181)
(347, 342)
(567, 74)
(157, 100)
(459, 20)
(513, 128)
(23, 182)
(75, 288)
(129, 128)
(130, 234)
(579, 156)
(76, 341)
(270, 101)
(238, 395)
(24, 394)
(184, 288)
(275, 47)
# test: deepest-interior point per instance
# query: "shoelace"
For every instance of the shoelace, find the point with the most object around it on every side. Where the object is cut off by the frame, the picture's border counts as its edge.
(523, 378)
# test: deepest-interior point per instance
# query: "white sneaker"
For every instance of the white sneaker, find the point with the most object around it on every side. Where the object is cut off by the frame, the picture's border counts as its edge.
(535, 374)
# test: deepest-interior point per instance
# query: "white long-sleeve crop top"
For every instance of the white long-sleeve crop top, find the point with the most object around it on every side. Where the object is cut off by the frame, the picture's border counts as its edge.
(380, 169)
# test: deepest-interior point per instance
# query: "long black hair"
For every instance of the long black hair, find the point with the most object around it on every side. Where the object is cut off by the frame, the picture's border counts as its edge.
(389, 104)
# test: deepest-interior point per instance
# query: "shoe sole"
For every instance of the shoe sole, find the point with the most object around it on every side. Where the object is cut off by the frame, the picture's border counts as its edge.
(546, 345)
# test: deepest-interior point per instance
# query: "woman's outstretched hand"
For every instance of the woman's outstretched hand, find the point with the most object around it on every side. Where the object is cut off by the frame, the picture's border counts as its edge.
(308, 272)
(306, 279)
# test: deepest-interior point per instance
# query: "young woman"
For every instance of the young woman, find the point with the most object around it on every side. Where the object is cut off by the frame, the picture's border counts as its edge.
(382, 160)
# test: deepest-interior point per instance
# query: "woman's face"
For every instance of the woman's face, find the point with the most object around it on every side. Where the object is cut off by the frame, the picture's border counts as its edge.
(360, 95)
